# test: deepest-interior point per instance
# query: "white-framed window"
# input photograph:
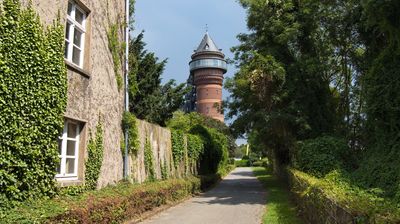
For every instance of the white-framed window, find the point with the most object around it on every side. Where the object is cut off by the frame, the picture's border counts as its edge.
(68, 151)
(75, 34)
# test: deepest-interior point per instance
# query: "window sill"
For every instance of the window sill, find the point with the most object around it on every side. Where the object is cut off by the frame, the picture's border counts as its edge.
(68, 182)
(75, 68)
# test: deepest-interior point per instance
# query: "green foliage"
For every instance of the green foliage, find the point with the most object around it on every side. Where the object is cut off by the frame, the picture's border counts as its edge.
(321, 155)
(195, 147)
(242, 163)
(148, 99)
(279, 207)
(185, 122)
(164, 170)
(215, 156)
(335, 189)
(149, 161)
(94, 161)
(33, 97)
(116, 48)
(129, 122)
(114, 204)
(178, 146)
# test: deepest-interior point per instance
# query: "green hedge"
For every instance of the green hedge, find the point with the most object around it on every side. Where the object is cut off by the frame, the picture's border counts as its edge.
(108, 205)
(33, 96)
(242, 163)
(332, 197)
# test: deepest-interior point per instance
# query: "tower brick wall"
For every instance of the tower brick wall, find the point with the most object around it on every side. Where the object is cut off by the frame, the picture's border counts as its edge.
(208, 67)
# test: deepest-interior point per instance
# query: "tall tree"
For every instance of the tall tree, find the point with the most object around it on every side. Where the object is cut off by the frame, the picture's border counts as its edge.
(149, 99)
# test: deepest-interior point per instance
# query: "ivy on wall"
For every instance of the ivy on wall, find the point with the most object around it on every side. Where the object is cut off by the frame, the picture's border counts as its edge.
(149, 161)
(116, 48)
(129, 122)
(33, 96)
(95, 158)
(164, 170)
(195, 147)
(178, 146)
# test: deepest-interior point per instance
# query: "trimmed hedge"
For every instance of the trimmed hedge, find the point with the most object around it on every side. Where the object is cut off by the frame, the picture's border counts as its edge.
(333, 200)
(242, 163)
(109, 205)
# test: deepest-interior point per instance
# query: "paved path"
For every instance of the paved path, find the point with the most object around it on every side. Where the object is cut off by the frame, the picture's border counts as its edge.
(239, 198)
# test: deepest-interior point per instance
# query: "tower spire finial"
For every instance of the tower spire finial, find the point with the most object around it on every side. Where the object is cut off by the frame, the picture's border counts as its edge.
(206, 28)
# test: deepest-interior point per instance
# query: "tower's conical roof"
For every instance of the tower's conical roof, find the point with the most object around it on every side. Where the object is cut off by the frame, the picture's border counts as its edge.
(207, 44)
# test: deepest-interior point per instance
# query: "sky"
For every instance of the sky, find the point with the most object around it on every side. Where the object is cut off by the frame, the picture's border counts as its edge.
(174, 28)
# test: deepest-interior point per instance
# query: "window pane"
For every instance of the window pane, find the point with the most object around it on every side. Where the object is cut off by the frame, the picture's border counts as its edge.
(72, 130)
(79, 16)
(76, 55)
(66, 49)
(71, 148)
(59, 146)
(67, 27)
(70, 166)
(77, 37)
(58, 169)
(69, 8)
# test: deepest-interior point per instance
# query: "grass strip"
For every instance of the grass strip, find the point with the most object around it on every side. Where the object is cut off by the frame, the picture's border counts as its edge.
(279, 208)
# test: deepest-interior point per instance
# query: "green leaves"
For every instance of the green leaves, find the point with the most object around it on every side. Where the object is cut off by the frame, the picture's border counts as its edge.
(33, 95)
(129, 123)
(149, 100)
(149, 161)
(94, 161)
(178, 146)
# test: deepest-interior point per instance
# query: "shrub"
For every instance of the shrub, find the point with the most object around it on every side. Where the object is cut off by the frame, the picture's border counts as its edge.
(108, 205)
(215, 154)
(242, 163)
(321, 155)
(322, 199)
(257, 163)
(33, 97)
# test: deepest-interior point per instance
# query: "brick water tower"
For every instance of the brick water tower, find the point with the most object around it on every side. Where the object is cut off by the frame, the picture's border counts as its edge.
(207, 69)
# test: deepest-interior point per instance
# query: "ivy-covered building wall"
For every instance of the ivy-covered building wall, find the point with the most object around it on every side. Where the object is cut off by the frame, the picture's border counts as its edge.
(93, 93)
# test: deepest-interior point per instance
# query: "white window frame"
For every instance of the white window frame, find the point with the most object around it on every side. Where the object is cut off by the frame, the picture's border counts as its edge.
(63, 157)
(70, 39)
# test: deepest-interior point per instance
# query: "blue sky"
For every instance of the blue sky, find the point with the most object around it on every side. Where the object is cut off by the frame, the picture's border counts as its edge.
(174, 28)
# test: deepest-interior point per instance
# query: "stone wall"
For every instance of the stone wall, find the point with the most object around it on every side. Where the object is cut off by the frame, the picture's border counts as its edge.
(161, 145)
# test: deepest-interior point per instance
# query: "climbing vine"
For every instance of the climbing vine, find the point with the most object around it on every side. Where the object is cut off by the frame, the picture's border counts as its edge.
(164, 170)
(178, 146)
(95, 158)
(33, 97)
(195, 147)
(116, 48)
(129, 122)
(149, 161)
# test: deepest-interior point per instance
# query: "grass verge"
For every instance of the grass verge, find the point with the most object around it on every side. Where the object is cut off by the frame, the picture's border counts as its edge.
(279, 208)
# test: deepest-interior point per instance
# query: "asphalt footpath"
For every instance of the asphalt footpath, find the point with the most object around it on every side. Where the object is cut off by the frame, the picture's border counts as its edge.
(238, 198)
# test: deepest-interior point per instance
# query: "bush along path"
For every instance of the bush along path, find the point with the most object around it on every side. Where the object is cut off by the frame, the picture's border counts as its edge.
(238, 198)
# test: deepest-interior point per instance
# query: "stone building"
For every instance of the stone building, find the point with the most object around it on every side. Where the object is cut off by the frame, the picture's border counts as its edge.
(207, 69)
(93, 93)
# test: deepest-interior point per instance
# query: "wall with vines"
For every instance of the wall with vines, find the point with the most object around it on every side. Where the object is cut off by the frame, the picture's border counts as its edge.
(33, 96)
